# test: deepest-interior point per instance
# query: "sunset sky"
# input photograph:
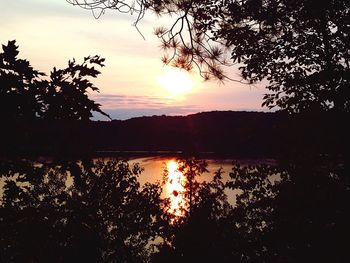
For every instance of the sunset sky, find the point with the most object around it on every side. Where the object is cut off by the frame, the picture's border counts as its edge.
(134, 81)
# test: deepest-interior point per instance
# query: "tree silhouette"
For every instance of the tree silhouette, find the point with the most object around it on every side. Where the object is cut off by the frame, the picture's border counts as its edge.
(301, 47)
(191, 168)
(66, 93)
(20, 85)
(295, 213)
(72, 212)
(199, 234)
(27, 95)
(97, 211)
(288, 213)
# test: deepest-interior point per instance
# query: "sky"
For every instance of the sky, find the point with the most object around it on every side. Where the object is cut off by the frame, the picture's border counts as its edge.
(134, 82)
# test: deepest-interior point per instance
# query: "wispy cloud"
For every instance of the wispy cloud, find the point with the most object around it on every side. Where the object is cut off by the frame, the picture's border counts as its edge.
(112, 101)
(127, 113)
(125, 107)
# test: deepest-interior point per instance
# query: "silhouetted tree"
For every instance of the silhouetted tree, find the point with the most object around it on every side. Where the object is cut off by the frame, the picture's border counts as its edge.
(66, 93)
(296, 213)
(300, 47)
(26, 94)
(191, 168)
(98, 212)
(20, 86)
(90, 212)
(199, 234)
(293, 213)
(257, 187)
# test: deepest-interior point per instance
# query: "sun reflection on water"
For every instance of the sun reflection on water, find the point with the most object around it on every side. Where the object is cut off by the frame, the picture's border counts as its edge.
(174, 188)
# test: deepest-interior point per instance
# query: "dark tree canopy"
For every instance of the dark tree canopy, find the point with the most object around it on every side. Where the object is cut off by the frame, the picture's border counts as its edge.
(299, 47)
(76, 212)
(19, 85)
(66, 93)
(26, 93)
(97, 211)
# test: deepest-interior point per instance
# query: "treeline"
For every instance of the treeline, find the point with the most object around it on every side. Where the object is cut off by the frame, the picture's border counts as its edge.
(251, 134)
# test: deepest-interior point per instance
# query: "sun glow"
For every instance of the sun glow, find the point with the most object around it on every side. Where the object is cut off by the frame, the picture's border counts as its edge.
(175, 188)
(176, 81)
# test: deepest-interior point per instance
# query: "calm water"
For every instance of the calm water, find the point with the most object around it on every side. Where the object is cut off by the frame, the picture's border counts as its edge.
(154, 166)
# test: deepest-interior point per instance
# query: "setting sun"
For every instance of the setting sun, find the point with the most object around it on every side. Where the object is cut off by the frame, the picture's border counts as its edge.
(176, 81)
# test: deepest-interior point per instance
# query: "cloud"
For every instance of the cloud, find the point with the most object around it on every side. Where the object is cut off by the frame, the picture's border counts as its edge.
(125, 107)
(112, 101)
(127, 113)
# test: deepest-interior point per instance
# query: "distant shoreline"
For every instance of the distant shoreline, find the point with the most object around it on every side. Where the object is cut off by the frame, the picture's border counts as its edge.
(181, 154)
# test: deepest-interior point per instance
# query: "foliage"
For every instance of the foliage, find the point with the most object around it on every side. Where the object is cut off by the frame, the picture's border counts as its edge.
(300, 48)
(199, 235)
(66, 95)
(20, 85)
(295, 213)
(257, 187)
(25, 93)
(217, 228)
(98, 212)
(91, 212)
(292, 213)
(191, 168)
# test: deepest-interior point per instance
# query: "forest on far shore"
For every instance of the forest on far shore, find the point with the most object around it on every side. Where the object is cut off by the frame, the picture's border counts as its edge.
(239, 134)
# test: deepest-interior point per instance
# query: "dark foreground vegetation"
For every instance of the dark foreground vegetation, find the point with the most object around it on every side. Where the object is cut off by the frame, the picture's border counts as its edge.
(84, 211)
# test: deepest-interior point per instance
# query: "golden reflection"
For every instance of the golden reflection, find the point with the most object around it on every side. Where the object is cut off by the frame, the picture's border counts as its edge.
(174, 188)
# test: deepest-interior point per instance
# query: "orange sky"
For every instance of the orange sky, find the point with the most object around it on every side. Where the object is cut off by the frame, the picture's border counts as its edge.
(49, 33)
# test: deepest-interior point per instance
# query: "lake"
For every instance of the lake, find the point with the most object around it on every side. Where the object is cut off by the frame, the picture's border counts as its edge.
(154, 167)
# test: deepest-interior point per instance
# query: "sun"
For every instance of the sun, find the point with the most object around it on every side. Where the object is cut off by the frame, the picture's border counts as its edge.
(176, 81)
